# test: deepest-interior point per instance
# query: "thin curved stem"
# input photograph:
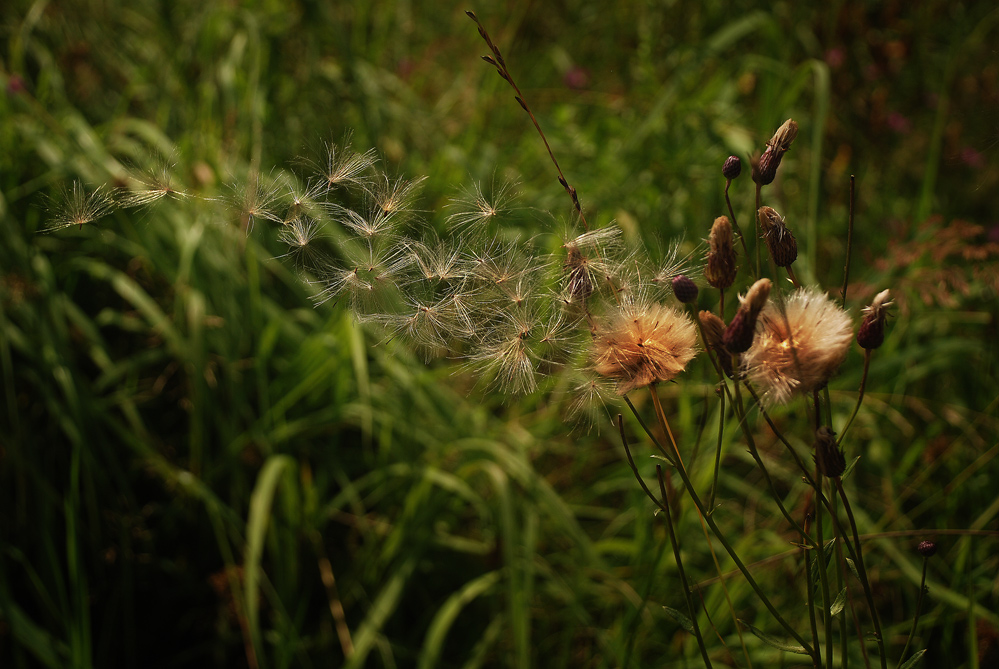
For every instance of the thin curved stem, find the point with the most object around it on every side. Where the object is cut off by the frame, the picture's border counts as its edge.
(679, 564)
(915, 619)
(862, 572)
(728, 547)
(860, 396)
(735, 224)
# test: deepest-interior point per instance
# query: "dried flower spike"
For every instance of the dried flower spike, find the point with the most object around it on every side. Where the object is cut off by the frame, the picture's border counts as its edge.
(927, 548)
(641, 344)
(713, 329)
(872, 329)
(766, 170)
(732, 167)
(739, 334)
(721, 268)
(781, 243)
(799, 346)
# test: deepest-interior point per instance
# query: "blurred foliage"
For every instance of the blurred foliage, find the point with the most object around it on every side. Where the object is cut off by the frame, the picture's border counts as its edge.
(199, 467)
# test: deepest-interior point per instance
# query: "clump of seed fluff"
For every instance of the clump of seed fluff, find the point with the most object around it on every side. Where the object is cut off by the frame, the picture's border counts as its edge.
(798, 346)
(641, 344)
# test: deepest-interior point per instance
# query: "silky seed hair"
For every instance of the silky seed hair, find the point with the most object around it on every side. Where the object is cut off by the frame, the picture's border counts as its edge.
(799, 345)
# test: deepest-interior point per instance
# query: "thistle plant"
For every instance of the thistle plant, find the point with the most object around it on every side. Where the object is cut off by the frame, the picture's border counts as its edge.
(578, 305)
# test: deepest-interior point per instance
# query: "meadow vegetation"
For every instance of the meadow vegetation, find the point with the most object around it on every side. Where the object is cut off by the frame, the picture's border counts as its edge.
(217, 451)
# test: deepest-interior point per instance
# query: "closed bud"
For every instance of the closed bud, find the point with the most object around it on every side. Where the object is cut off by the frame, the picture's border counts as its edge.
(766, 170)
(684, 288)
(721, 268)
(872, 329)
(781, 243)
(927, 548)
(828, 456)
(732, 167)
(713, 329)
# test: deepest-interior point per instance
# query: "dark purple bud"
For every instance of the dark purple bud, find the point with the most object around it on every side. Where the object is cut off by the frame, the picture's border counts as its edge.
(732, 167)
(684, 288)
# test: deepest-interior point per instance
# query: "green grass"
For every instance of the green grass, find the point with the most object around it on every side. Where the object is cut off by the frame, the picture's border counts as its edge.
(198, 466)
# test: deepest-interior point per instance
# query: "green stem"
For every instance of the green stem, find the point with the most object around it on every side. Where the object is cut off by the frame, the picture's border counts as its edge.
(915, 620)
(860, 396)
(740, 565)
(679, 563)
(862, 572)
(735, 224)
(718, 449)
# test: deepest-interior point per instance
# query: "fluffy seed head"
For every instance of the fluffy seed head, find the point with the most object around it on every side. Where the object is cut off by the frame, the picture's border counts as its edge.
(872, 329)
(798, 347)
(721, 268)
(641, 344)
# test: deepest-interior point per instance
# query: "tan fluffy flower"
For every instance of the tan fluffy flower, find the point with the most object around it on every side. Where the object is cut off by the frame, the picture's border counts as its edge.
(640, 344)
(798, 346)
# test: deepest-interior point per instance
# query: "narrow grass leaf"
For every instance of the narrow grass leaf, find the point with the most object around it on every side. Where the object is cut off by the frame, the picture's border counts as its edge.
(773, 641)
(446, 615)
(256, 530)
(911, 662)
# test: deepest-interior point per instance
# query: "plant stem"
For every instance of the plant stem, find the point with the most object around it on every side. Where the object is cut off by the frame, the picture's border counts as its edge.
(756, 217)
(823, 570)
(915, 620)
(849, 241)
(735, 224)
(860, 396)
(862, 572)
(728, 547)
(679, 567)
(718, 448)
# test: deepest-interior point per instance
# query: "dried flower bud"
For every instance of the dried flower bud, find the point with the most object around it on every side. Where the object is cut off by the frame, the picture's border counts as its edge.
(927, 548)
(765, 170)
(732, 167)
(781, 243)
(828, 456)
(738, 336)
(781, 141)
(684, 288)
(721, 269)
(872, 328)
(713, 330)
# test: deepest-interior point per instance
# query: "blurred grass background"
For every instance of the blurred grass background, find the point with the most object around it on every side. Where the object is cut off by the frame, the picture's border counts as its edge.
(200, 468)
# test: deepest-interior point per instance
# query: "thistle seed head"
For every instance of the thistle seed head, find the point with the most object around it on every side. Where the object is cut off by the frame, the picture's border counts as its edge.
(799, 346)
(641, 344)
